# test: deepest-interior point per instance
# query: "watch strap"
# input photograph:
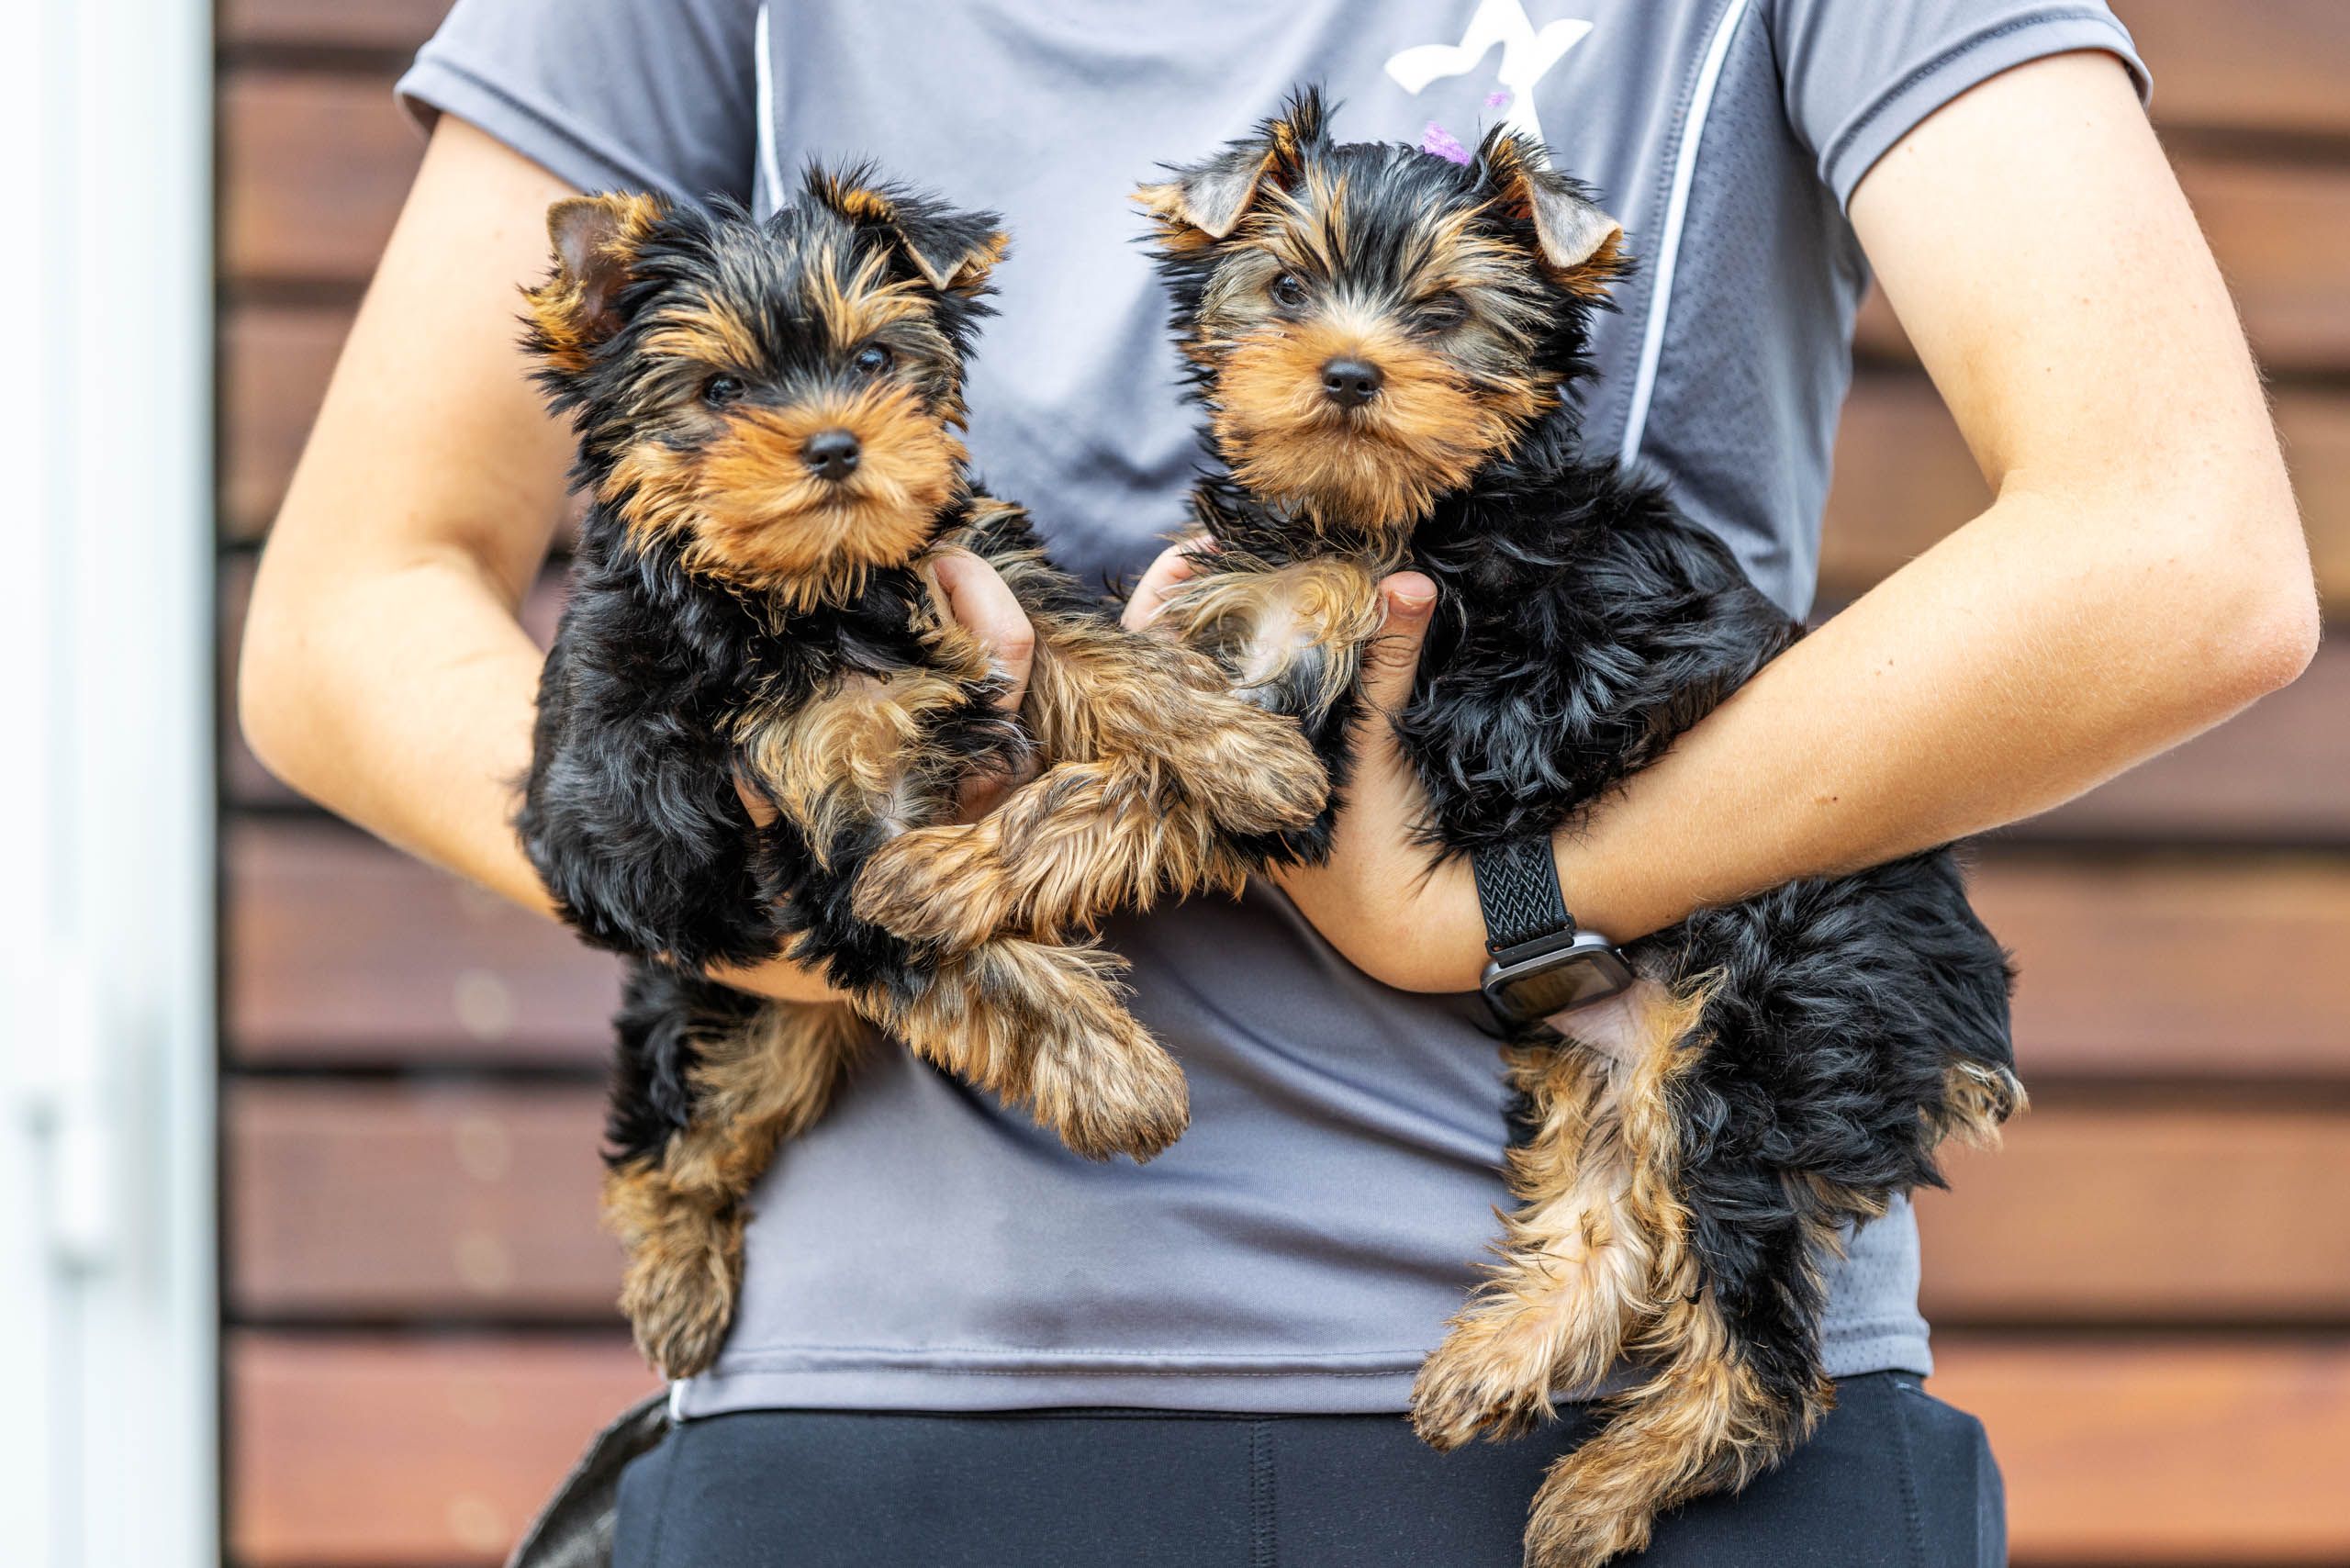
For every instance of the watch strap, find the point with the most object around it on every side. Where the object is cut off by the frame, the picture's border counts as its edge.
(1518, 892)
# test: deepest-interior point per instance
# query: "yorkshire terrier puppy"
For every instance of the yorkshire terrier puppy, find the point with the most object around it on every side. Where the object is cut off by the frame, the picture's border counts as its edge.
(769, 417)
(1383, 342)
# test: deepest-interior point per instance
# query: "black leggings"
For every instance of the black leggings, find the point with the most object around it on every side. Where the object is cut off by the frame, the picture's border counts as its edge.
(1894, 1477)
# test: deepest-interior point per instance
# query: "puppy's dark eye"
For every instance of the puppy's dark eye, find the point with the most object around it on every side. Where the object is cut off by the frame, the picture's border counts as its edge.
(1289, 291)
(721, 390)
(1441, 313)
(873, 360)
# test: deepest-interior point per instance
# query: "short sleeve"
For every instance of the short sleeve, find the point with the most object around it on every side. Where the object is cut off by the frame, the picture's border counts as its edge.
(635, 95)
(1858, 74)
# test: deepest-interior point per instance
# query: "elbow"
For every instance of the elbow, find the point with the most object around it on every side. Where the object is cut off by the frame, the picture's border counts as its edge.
(2281, 641)
(273, 686)
(2264, 619)
(2234, 615)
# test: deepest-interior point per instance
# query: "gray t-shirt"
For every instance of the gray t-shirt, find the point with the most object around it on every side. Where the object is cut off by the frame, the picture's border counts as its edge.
(1301, 1246)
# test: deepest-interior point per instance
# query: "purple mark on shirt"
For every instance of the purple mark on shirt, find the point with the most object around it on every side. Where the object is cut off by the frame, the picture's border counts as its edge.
(1442, 143)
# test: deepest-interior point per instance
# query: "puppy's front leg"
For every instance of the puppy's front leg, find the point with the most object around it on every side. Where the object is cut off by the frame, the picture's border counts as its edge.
(1161, 772)
(1066, 848)
(1041, 1025)
(859, 763)
(1290, 638)
(1100, 693)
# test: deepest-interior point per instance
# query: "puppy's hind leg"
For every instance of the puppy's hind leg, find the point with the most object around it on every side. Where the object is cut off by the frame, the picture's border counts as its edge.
(1567, 1278)
(1066, 848)
(1732, 1385)
(1707, 1417)
(1042, 1025)
(764, 1072)
(1594, 1178)
(1732, 1375)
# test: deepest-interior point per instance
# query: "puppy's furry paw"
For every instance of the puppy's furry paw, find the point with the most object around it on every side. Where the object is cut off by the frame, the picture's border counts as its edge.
(1110, 1090)
(1255, 771)
(1044, 1025)
(1491, 1377)
(685, 1268)
(1568, 1527)
(944, 886)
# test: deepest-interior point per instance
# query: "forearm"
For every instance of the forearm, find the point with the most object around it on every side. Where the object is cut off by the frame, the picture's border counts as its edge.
(2141, 577)
(401, 698)
(2049, 645)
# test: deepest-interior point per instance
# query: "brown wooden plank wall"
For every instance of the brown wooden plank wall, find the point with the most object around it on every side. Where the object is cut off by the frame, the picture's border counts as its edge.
(2147, 1295)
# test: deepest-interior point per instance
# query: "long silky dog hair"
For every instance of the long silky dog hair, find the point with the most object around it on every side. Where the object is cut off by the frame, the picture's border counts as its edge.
(1385, 343)
(769, 417)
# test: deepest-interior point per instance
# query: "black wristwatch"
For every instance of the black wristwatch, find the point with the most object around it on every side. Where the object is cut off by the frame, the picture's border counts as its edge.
(1541, 964)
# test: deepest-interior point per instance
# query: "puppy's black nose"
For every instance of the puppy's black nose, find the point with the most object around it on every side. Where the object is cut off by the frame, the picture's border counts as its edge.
(1349, 383)
(832, 453)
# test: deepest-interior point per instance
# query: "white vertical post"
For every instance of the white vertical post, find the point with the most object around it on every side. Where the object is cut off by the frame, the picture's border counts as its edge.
(108, 1458)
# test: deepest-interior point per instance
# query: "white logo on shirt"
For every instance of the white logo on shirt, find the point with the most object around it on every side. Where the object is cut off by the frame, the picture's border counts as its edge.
(1526, 56)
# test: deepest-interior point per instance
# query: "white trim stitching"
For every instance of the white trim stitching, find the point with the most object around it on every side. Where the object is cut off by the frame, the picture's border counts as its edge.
(770, 169)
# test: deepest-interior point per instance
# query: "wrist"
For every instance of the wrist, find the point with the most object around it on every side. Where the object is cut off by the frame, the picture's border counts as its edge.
(1544, 961)
(1618, 896)
(1403, 925)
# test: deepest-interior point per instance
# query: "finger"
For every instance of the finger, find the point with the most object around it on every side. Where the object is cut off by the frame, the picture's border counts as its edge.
(983, 605)
(1377, 843)
(1177, 565)
(1408, 600)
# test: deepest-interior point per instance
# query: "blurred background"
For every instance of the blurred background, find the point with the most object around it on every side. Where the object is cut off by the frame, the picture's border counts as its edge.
(2146, 1297)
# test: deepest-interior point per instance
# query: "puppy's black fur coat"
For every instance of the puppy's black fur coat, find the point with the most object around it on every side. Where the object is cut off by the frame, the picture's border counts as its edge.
(767, 416)
(632, 816)
(1795, 1059)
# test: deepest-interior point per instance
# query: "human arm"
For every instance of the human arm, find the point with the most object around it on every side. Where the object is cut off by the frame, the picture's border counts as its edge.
(2140, 576)
(385, 673)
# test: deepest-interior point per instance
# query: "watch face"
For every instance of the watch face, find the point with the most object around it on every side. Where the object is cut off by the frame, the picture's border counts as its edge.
(1573, 979)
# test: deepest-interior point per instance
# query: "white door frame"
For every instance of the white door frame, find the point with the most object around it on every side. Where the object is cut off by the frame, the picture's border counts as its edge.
(107, 1308)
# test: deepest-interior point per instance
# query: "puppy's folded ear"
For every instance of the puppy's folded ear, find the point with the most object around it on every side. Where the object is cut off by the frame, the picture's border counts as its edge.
(596, 240)
(1579, 244)
(951, 250)
(1213, 197)
(955, 251)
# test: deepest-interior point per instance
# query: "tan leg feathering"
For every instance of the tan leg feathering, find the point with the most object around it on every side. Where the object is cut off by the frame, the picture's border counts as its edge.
(680, 1218)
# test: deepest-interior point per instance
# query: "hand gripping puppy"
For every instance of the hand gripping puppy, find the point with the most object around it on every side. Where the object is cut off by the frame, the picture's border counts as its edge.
(767, 416)
(1382, 339)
